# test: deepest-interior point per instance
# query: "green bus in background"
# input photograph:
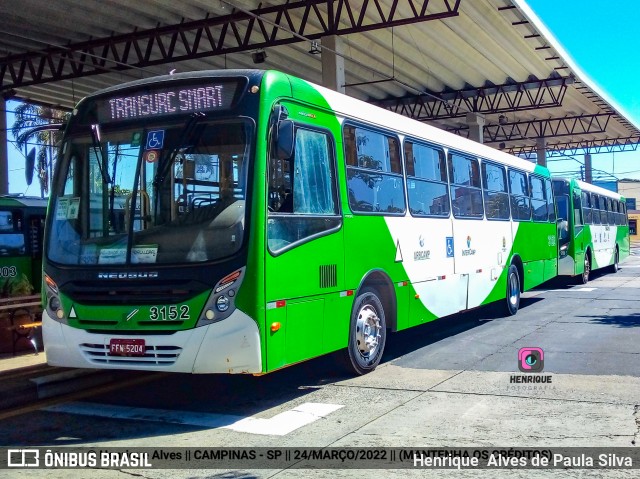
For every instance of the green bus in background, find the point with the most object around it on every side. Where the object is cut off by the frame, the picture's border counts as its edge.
(593, 230)
(22, 221)
(241, 221)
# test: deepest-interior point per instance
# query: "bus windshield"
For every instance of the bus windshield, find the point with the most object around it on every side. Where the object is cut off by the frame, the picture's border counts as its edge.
(151, 193)
(11, 235)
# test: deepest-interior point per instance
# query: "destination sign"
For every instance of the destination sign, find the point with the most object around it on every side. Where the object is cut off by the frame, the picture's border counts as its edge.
(173, 100)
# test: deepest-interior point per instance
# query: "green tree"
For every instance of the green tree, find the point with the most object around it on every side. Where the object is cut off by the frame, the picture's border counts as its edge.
(28, 116)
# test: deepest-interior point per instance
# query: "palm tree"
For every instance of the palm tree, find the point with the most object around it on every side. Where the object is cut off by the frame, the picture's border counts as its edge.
(27, 117)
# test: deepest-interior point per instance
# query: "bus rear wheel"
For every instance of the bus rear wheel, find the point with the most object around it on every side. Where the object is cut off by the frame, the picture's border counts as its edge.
(512, 302)
(584, 277)
(367, 333)
(615, 267)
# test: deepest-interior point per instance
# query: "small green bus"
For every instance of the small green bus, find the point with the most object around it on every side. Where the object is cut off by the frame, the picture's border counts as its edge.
(593, 228)
(22, 220)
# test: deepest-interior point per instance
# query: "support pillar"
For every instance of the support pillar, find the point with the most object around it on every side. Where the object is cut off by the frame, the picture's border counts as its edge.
(541, 151)
(4, 152)
(588, 169)
(476, 121)
(333, 63)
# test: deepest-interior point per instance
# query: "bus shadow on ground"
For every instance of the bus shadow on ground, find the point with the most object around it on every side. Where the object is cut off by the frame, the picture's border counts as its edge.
(405, 342)
(567, 282)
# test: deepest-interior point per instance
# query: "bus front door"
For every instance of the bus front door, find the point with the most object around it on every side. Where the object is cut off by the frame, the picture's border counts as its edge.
(576, 226)
(304, 261)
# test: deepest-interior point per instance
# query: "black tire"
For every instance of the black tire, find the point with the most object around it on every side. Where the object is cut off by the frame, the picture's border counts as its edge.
(584, 277)
(615, 267)
(512, 300)
(365, 347)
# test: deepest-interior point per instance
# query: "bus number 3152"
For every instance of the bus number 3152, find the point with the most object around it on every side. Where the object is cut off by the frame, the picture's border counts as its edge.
(170, 313)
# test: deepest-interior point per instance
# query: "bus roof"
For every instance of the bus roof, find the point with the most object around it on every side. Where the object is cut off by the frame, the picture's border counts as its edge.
(592, 188)
(25, 201)
(351, 107)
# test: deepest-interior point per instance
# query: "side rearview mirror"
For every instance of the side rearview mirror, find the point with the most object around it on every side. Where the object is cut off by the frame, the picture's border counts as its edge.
(30, 164)
(285, 141)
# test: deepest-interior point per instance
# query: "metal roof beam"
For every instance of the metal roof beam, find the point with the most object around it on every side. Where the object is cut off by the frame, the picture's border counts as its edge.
(609, 145)
(509, 97)
(547, 128)
(263, 27)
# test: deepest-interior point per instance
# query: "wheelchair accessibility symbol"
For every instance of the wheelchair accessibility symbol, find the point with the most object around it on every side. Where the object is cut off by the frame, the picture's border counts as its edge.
(449, 247)
(155, 140)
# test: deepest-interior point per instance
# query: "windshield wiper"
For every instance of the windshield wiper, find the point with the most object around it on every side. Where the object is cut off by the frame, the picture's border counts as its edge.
(112, 193)
(97, 147)
(185, 134)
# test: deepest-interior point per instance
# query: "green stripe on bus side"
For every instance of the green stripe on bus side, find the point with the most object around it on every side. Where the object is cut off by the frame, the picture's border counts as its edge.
(539, 263)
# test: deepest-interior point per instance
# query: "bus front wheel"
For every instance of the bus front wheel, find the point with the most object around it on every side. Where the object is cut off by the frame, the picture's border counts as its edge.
(367, 333)
(513, 291)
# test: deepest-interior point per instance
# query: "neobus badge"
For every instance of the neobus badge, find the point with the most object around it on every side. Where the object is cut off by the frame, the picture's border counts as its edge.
(128, 275)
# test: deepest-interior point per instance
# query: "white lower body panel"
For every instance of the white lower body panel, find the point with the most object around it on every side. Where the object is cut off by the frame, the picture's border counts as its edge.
(229, 346)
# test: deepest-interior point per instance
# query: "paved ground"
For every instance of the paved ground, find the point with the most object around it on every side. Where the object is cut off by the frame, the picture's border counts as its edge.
(444, 384)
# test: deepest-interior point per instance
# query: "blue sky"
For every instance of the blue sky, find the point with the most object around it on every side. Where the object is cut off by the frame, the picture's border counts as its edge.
(603, 39)
(601, 36)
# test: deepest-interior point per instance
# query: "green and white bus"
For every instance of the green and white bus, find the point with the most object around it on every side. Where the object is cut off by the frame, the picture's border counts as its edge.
(22, 221)
(268, 220)
(593, 228)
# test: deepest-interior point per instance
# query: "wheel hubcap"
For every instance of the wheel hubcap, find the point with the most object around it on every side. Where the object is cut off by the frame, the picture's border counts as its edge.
(368, 331)
(586, 268)
(514, 288)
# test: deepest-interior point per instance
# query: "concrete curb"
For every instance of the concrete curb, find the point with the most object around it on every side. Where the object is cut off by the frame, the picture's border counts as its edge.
(70, 381)
(24, 386)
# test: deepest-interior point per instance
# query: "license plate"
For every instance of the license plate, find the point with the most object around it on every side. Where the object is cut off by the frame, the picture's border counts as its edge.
(127, 347)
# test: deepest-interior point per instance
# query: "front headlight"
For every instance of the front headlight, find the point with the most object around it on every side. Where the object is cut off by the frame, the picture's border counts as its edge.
(54, 306)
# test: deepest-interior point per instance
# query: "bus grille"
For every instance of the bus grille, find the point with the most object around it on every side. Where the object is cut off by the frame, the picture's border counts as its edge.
(132, 293)
(154, 355)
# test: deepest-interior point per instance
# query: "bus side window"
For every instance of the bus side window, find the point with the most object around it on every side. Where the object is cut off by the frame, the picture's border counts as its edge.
(586, 208)
(374, 172)
(610, 212)
(603, 210)
(496, 192)
(6, 221)
(595, 202)
(520, 201)
(466, 192)
(12, 241)
(303, 199)
(551, 209)
(577, 211)
(426, 180)
(620, 214)
(538, 200)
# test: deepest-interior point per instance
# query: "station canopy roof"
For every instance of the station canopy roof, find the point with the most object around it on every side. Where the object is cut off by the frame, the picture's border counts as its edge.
(433, 60)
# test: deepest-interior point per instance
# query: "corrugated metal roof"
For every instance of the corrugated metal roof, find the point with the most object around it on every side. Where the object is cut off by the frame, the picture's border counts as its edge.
(491, 56)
